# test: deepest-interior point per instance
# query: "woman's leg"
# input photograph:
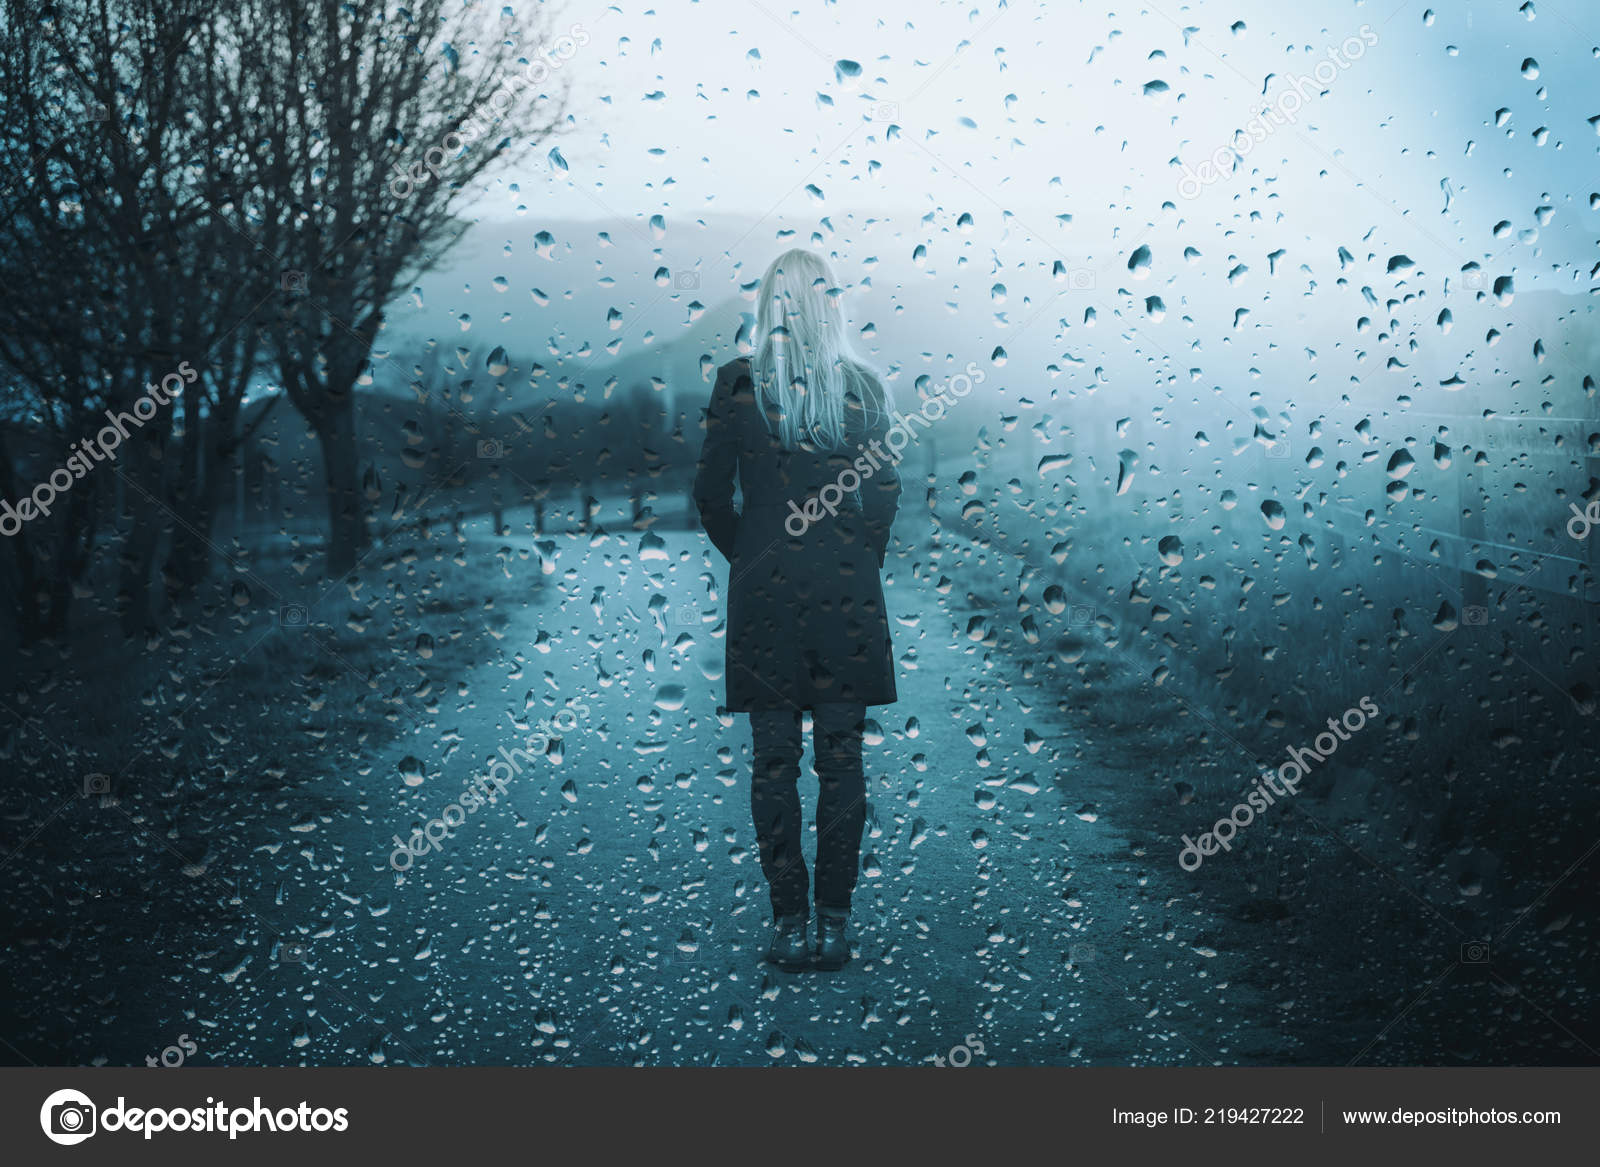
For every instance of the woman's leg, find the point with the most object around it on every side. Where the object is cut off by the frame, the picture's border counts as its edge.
(841, 802)
(775, 805)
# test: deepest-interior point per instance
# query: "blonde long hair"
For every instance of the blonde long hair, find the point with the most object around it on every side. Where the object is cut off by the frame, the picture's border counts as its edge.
(806, 372)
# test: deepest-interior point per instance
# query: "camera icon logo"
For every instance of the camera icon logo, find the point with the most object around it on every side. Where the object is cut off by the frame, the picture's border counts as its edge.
(294, 281)
(67, 1117)
(1475, 952)
(1474, 281)
(98, 112)
(1474, 616)
(1081, 279)
(491, 450)
(292, 951)
(686, 281)
(1081, 614)
(885, 111)
(1278, 449)
(96, 785)
(293, 616)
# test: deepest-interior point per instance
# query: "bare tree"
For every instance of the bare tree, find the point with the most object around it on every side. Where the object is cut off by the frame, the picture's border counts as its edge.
(192, 186)
(126, 264)
(379, 121)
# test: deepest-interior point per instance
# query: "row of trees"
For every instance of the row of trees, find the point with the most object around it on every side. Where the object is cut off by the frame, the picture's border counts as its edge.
(592, 438)
(211, 186)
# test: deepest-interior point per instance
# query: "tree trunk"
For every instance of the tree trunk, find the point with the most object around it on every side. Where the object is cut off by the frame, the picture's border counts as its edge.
(30, 610)
(72, 557)
(347, 520)
(189, 561)
(22, 544)
(60, 604)
(142, 526)
(135, 596)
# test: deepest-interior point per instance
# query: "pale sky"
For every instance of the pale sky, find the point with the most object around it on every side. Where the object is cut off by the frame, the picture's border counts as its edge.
(1017, 114)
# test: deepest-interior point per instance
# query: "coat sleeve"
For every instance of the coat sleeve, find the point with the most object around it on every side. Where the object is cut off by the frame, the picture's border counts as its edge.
(719, 465)
(880, 501)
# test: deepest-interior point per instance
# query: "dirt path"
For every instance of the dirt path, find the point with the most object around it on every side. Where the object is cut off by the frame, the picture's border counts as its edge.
(610, 908)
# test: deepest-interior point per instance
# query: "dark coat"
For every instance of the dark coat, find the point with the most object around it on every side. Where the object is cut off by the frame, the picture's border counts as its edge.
(807, 623)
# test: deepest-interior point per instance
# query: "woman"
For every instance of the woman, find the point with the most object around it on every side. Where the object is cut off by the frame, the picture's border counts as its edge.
(800, 425)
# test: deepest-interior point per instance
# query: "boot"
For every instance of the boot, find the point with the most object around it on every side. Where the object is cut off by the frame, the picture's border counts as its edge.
(833, 946)
(789, 949)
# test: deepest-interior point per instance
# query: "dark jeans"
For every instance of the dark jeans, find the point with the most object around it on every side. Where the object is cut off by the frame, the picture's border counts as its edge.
(841, 804)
